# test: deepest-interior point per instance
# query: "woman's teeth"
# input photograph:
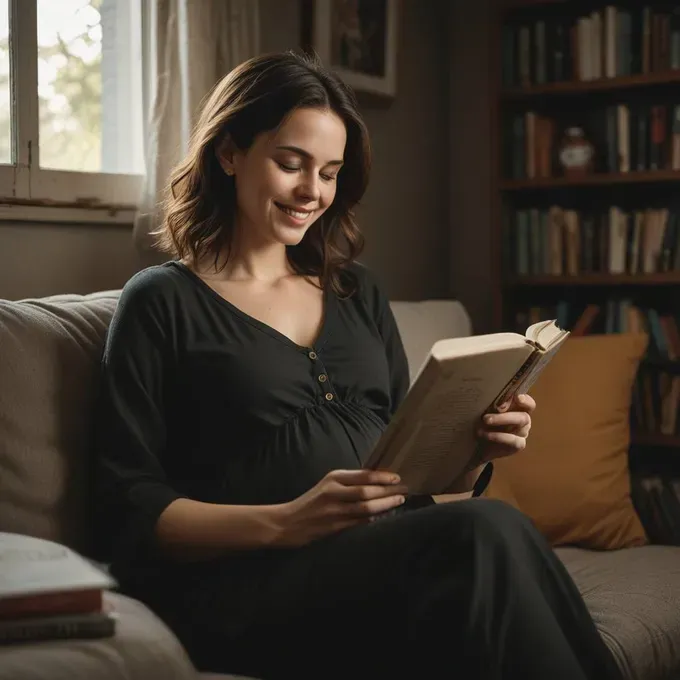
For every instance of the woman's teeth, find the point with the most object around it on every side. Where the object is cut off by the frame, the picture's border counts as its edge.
(294, 213)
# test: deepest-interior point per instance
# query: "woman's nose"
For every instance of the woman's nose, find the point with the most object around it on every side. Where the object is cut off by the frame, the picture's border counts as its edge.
(308, 188)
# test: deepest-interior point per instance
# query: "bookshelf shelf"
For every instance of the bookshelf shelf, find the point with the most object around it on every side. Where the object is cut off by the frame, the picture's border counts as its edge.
(549, 79)
(597, 279)
(595, 179)
(655, 439)
(577, 87)
(509, 5)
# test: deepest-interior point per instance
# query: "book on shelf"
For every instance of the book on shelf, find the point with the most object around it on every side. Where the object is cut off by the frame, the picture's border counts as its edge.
(626, 137)
(656, 393)
(615, 41)
(557, 240)
(431, 440)
(49, 591)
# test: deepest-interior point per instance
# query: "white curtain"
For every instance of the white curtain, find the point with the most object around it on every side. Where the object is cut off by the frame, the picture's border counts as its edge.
(189, 46)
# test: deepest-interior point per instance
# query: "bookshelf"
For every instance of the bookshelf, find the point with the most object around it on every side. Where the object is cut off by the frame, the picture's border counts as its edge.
(599, 242)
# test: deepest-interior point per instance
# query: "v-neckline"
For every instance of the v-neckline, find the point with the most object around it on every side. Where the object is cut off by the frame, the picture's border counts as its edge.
(320, 339)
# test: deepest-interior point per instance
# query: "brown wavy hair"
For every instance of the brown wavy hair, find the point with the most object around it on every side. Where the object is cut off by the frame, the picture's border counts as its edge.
(258, 96)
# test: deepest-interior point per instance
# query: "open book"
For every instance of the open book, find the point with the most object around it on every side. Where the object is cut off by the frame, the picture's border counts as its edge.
(432, 439)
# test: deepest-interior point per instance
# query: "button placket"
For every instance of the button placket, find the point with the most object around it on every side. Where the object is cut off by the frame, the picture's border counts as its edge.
(322, 377)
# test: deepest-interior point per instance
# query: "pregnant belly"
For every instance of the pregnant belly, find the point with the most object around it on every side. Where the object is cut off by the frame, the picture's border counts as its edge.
(288, 460)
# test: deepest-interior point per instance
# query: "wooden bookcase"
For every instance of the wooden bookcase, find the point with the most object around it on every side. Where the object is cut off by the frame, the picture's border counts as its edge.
(609, 237)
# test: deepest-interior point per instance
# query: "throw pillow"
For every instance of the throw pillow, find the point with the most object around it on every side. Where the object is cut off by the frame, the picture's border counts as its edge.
(573, 478)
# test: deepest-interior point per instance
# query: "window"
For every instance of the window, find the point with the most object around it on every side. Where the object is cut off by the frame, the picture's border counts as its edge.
(71, 107)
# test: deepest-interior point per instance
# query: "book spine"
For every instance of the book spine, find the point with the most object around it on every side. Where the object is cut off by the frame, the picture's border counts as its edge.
(57, 628)
(509, 391)
(50, 604)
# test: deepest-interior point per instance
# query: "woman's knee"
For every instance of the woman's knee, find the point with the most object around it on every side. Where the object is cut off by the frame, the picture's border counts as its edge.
(487, 517)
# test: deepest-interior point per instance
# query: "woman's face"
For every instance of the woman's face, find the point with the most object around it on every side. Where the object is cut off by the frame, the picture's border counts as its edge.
(287, 178)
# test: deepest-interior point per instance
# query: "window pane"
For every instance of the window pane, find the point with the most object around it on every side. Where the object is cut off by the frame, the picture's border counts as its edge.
(90, 85)
(5, 114)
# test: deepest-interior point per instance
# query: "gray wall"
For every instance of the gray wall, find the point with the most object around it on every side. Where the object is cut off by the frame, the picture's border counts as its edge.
(405, 214)
(43, 259)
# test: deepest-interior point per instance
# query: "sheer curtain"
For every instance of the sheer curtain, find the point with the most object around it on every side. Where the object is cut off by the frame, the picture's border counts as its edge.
(189, 46)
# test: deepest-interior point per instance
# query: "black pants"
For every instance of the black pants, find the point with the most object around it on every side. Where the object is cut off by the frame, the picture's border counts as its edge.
(466, 590)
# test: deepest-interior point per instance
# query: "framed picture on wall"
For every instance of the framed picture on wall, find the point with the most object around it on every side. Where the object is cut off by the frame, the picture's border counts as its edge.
(358, 40)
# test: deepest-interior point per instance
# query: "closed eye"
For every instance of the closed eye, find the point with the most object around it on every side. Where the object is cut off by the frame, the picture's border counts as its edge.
(295, 168)
(288, 168)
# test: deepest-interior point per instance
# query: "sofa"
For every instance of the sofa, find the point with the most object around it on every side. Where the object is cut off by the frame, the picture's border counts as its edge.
(50, 350)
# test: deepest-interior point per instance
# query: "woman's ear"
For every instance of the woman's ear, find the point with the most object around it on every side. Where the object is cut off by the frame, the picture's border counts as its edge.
(225, 154)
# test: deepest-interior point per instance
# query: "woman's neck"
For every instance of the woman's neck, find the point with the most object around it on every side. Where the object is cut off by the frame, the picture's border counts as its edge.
(263, 264)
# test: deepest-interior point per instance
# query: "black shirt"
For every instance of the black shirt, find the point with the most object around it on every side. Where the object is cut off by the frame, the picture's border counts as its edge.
(200, 400)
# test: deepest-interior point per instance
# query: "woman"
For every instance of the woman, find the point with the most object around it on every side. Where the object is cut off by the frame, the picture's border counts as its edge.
(244, 382)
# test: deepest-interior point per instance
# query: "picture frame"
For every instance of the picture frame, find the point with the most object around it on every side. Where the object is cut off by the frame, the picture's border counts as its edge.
(357, 39)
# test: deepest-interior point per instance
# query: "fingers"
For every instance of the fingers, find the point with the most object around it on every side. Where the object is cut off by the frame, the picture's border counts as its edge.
(510, 419)
(351, 494)
(362, 493)
(520, 402)
(525, 402)
(361, 509)
(363, 477)
(508, 441)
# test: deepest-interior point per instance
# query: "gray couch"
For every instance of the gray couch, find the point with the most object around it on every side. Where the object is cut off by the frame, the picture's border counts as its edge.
(48, 366)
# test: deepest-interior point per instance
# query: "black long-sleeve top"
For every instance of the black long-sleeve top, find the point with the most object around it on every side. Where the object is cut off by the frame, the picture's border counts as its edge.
(200, 400)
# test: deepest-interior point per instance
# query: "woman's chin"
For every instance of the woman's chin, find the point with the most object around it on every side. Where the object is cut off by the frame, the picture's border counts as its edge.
(290, 236)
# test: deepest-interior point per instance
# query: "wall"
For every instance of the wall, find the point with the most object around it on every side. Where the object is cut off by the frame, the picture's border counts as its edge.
(470, 181)
(404, 214)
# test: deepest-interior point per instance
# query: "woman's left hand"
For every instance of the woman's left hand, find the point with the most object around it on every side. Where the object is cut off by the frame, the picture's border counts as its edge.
(502, 434)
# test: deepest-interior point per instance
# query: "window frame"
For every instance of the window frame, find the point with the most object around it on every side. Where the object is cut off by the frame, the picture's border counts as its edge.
(24, 182)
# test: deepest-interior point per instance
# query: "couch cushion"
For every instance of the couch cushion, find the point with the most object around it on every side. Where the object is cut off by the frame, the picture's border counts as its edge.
(48, 368)
(573, 478)
(634, 598)
(141, 649)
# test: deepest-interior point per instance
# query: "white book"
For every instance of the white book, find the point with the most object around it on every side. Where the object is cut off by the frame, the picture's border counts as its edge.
(432, 437)
(34, 566)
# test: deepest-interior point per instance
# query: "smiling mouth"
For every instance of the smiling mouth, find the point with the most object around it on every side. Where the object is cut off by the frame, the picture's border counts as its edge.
(297, 214)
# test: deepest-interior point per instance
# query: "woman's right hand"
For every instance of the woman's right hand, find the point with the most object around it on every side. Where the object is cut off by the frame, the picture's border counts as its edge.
(342, 499)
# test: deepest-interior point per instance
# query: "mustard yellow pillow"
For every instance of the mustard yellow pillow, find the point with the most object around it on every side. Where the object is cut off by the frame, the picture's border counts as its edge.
(573, 478)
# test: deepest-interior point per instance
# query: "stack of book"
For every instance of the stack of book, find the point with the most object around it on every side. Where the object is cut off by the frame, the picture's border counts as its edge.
(49, 592)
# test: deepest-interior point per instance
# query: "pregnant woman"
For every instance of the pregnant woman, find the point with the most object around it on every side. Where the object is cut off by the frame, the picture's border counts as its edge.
(243, 383)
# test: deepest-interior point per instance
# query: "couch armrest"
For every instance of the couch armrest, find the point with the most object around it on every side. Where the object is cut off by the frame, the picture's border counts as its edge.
(142, 648)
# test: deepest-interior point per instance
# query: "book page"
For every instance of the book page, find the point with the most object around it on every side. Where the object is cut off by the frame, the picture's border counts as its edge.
(432, 437)
(545, 333)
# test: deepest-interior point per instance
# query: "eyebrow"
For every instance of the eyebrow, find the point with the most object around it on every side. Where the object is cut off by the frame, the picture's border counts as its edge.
(306, 154)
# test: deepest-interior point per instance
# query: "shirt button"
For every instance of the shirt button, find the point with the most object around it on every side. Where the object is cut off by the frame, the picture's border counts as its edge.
(323, 377)
(313, 356)
(329, 396)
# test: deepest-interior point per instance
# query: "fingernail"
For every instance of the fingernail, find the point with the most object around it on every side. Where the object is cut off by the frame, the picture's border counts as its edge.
(395, 479)
(489, 420)
(402, 499)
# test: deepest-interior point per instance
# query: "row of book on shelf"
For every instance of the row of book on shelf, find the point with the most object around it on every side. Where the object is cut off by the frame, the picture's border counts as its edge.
(557, 240)
(609, 42)
(657, 501)
(656, 397)
(625, 137)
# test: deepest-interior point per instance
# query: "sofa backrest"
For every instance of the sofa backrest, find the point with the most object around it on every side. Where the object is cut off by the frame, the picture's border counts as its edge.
(50, 350)
(49, 359)
(424, 322)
